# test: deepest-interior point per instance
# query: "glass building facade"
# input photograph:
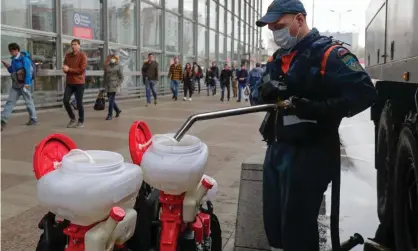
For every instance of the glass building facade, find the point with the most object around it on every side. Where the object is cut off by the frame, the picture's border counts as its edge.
(195, 30)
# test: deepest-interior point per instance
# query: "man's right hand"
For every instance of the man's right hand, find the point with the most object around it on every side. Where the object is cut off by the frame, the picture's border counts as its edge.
(5, 64)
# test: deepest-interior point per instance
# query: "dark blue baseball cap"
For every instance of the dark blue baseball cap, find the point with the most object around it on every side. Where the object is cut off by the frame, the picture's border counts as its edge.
(278, 8)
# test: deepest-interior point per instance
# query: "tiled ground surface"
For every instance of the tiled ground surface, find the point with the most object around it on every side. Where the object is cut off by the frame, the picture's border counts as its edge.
(230, 141)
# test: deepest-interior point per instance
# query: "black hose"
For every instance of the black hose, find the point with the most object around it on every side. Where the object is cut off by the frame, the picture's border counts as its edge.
(335, 210)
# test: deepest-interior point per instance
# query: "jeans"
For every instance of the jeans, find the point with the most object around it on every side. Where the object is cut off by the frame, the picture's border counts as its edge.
(210, 87)
(14, 95)
(175, 87)
(196, 80)
(240, 91)
(112, 104)
(228, 90)
(78, 90)
(216, 80)
(150, 87)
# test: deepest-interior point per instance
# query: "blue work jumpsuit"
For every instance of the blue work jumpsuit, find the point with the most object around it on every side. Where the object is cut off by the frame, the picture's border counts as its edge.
(303, 150)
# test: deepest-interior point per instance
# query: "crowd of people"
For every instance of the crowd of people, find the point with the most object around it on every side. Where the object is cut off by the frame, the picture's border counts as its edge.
(230, 76)
(23, 72)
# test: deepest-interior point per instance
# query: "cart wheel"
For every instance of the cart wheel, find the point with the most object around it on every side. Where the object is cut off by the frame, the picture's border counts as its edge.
(215, 233)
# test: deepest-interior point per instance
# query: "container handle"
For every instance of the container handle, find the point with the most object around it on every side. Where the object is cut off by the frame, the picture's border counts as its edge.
(143, 146)
(79, 151)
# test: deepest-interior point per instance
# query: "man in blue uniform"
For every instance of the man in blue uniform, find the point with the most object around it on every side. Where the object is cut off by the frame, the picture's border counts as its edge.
(322, 82)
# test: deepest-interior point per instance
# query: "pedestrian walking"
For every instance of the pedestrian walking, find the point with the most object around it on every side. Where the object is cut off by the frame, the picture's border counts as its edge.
(215, 71)
(113, 80)
(210, 81)
(197, 76)
(75, 64)
(150, 75)
(242, 77)
(22, 71)
(234, 71)
(225, 80)
(176, 75)
(188, 82)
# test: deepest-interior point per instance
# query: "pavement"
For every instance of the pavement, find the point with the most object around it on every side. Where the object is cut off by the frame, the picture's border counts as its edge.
(230, 141)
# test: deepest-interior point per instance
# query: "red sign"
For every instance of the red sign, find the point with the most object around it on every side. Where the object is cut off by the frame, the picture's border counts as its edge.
(82, 32)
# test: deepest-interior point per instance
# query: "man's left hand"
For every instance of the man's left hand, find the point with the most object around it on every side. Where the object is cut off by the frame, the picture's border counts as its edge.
(65, 68)
(304, 108)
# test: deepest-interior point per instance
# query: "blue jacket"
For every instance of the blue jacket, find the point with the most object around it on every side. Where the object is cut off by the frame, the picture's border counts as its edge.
(23, 61)
(242, 74)
(255, 76)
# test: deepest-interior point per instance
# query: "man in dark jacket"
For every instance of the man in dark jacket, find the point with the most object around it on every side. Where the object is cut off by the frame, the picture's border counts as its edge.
(215, 72)
(150, 76)
(210, 81)
(242, 77)
(320, 82)
(226, 79)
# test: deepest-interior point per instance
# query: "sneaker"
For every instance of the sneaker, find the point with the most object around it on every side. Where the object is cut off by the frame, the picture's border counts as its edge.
(190, 99)
(175, 98)
(146, 105)
(80, 125)
(32, 122)
(72, 124)
(184, 99)
(155, 102)
(109, 117)
(118, 114)
(222, 100)
(3, 125)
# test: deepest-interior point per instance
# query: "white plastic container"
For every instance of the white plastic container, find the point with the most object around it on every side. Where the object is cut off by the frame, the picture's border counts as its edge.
(193, 199)
(87, 184)
(174, 167)
(104, 236)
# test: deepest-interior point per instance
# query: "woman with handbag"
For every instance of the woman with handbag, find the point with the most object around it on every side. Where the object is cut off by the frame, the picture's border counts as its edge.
(113, 79)
(188, 82)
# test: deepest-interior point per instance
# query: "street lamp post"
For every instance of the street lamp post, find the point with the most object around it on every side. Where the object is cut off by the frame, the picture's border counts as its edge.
(340, 15)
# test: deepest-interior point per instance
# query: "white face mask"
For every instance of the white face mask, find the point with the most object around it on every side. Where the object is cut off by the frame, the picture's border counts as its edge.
(283, 39)
(113, 60)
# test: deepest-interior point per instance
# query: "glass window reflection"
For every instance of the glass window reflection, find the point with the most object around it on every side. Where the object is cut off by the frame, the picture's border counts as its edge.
(172, 5)
(37, 15)
(202, 11)
(229, 23)
(188, 8)
(212, 45)
(122, 21)
(151, 20)
(42, 49)
(221, 47)
(92, 51)
(82, 18)
(221, 19)
(213, 16)
(236, 50)
(229, 7)
(236, 7)
(171, 32)
(201, 41)
(188, 34)
(228, 49)
(127, 59)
